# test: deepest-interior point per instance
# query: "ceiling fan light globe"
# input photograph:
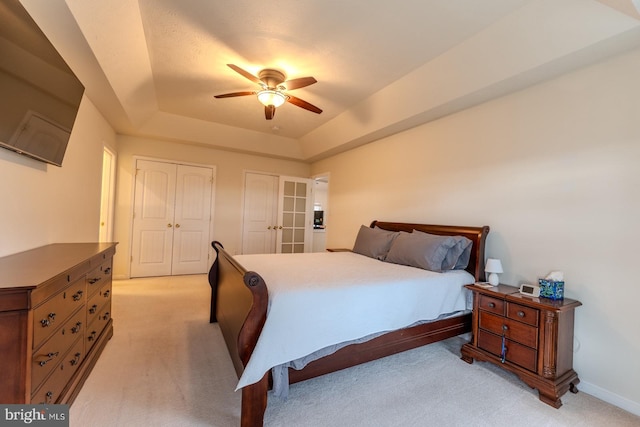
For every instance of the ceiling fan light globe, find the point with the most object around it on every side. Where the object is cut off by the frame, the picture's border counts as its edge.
(271, 97)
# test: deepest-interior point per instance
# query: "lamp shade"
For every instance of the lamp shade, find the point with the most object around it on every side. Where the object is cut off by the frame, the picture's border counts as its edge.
(271, 97)
(493, 266)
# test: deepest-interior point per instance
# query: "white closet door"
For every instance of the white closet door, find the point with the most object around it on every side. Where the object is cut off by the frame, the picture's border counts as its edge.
(295, 214)
(192, 219)
(172, 218)
(154, 200)
(259, 225)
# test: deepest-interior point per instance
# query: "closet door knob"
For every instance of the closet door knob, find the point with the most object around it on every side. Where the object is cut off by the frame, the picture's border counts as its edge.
(169, 225)
(177, 225)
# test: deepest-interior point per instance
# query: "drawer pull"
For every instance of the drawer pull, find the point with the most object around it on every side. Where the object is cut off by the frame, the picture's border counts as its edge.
(492, 305)
(48, 398)
(93, 309)
(520, 313)
(106, 316)
(92, 336)
(106, 293)
(107, 270)
(46, 322)
(94, 280)
(76, 328)
(50, 356)
(75, 360)
(505, 328)
(77, 296)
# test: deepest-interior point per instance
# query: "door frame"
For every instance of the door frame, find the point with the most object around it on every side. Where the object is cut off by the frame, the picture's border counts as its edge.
(110, 196)
(132, 201)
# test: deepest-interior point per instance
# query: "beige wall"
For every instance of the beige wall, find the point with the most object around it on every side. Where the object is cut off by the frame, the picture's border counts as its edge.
(552, 169)
(230, 168)
(555, 171)
(44, 204)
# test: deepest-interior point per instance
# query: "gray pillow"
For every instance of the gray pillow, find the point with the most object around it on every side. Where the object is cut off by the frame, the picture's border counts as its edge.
(458, 255)
(422, 250)
(463, 259)
(373, 242)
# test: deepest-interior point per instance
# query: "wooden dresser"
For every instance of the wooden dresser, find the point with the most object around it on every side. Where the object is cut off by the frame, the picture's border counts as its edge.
(55, 320)
(531, 337)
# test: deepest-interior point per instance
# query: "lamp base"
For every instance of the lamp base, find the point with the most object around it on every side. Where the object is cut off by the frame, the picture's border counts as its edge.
(493, 279)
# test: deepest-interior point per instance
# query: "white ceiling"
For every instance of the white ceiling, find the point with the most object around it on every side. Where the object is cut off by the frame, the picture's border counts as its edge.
(152, 67)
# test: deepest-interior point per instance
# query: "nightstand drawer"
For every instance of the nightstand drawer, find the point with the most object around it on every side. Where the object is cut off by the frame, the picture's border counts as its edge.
(515, 353)
(524, 334)
(523, 314)
(491, 304)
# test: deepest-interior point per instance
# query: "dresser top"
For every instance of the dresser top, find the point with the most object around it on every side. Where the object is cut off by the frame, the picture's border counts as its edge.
(31, 268)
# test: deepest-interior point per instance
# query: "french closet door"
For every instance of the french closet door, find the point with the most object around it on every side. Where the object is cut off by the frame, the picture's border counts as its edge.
(278, 214)
(295, 214)
(172, 218)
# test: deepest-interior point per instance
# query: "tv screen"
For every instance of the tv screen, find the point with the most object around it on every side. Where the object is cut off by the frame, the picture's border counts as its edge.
(39, 94)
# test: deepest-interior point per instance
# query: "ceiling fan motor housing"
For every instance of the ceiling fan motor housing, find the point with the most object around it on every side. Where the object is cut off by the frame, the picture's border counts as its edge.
(272, 78)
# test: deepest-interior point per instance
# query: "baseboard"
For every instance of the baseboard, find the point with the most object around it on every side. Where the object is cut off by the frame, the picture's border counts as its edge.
(609, 397)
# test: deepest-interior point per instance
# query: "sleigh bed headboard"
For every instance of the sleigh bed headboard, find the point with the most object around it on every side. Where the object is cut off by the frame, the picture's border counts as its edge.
(477, 235)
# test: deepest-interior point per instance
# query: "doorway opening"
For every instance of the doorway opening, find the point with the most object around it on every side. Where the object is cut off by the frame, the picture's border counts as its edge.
(320, 211)
(107, 198)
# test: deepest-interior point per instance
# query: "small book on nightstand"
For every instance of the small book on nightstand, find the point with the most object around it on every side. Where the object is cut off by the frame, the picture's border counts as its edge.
(484, 285)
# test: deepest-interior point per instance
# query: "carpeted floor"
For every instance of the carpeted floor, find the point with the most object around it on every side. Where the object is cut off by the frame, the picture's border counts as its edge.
(167, 366)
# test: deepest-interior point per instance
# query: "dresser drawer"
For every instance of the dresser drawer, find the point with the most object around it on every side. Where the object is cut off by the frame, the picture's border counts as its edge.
(515, 353)
(55, 311)
(516, 331)
(97, 300)
(494, 305)
(51, 352)
(523, 314)
(99, 276)
(107, 255)
(43, 293)
(53, 387)
(97, 325)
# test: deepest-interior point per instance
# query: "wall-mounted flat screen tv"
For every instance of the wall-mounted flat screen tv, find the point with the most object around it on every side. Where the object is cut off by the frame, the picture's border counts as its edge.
(39, 94)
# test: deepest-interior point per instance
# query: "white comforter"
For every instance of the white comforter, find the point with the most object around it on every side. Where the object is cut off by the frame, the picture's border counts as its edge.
(321, 299)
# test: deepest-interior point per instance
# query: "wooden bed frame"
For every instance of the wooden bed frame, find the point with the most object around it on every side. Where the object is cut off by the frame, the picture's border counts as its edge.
(239, 301)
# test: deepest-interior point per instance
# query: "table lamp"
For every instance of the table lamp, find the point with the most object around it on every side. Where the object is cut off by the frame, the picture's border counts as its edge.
(493, 267)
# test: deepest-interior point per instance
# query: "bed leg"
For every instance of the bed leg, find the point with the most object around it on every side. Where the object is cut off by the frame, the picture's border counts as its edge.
(213, 282)
(254, 403)
(212, 315)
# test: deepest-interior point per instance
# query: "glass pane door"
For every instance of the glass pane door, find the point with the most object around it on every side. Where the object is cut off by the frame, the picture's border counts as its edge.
(296, 215)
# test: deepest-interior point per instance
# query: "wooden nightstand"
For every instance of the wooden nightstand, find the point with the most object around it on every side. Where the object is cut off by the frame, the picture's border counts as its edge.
(531, 337)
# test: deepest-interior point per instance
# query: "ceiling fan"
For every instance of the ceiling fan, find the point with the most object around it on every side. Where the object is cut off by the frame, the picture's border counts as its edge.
(273, 90)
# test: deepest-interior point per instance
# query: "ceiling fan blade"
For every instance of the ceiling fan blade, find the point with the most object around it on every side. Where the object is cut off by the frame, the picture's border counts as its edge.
(269, 112)
(298, 83)
(232, 94)
(244, 73)
(303, 104)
